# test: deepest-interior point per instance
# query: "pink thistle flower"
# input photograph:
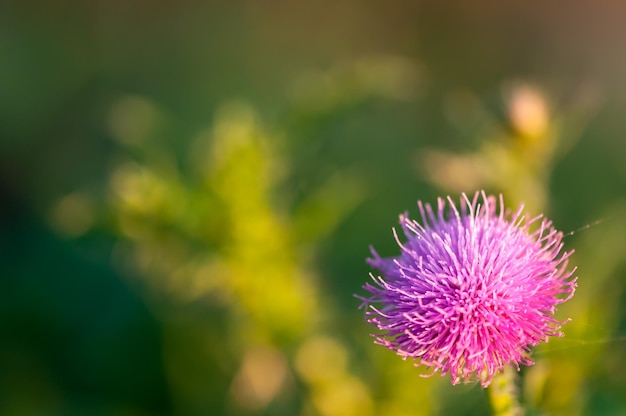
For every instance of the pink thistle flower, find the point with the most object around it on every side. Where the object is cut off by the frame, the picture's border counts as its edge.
(472, 290)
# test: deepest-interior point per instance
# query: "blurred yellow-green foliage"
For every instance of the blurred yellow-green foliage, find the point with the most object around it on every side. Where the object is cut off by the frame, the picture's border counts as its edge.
(189, 191)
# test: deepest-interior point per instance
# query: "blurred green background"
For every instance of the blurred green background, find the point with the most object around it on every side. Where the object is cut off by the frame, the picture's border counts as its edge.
(189, 191)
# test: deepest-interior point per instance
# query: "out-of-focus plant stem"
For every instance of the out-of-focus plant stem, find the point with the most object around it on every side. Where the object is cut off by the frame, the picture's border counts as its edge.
(504, 395)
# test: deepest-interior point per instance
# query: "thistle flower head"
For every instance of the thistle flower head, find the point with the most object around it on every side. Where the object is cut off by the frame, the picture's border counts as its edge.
(473, 289)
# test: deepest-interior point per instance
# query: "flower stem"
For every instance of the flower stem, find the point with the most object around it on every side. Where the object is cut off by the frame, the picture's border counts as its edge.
(504, 395)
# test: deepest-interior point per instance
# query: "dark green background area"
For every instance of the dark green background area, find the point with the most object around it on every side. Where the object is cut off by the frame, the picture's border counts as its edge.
(76, 337)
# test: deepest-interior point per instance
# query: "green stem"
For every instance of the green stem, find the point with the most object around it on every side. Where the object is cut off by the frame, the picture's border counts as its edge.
(504, 395)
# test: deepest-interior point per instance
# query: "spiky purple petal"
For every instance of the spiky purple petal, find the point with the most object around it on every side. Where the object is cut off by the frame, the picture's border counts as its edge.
(472, 290)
